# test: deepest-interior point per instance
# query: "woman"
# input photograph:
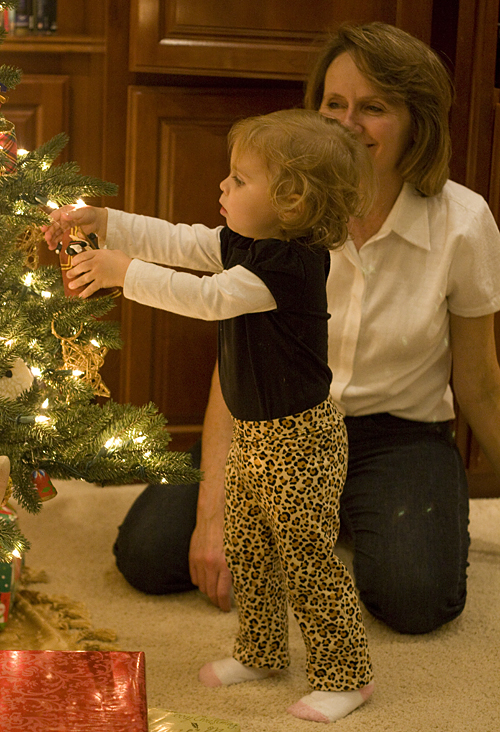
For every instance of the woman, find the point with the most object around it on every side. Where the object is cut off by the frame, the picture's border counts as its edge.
(413, 290)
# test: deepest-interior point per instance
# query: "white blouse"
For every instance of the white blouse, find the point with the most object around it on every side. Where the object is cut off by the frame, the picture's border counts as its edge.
(389, 344)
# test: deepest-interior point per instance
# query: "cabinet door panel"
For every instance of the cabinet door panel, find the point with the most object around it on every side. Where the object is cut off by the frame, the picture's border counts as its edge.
(38, 107)
(176, 158)
(275, 39)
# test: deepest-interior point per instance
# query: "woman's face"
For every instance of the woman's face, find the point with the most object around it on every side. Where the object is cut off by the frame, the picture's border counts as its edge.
(384, 127)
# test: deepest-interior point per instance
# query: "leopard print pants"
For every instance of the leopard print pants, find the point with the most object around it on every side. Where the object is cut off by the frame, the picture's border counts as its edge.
(283, 482)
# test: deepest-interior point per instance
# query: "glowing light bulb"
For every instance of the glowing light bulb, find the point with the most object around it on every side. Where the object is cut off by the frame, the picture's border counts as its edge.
(95, 343)
(21, 152)
(16, 553)
(80, 203)
(35, 371)
(28, 279)
(47, 295)
(41, 419)
(51, 204)
(76, 372)
(45, 404)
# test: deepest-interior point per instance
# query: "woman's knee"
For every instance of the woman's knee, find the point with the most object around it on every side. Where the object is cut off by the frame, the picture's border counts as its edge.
(414, 607)
(152, 546)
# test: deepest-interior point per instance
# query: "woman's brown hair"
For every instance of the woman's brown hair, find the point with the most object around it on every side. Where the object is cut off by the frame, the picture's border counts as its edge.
(406, 71)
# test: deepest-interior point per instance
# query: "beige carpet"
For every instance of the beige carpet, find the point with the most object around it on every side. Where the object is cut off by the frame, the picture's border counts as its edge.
(446, 681)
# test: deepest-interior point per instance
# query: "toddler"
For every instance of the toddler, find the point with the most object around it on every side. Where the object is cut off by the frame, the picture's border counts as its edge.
(295, 181)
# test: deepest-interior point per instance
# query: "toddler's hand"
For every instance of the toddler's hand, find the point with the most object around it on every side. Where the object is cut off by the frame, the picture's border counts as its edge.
(89, 218)
(97, 268)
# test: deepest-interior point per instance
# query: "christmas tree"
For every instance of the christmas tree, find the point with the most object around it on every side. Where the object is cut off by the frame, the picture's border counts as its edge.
(51, 348)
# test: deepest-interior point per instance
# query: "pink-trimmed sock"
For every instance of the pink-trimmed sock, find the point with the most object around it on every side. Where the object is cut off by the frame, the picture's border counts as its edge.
(230, 671)
(328, 706)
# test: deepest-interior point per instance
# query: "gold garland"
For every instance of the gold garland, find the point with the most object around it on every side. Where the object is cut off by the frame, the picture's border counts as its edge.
(28, 243)
(86, 358)
(8, 493)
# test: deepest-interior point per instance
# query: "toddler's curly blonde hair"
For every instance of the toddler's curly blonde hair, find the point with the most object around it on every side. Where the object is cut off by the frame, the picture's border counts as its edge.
(319, 174)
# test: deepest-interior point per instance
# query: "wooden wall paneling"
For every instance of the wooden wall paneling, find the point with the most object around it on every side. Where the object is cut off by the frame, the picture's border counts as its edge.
(494, 192)
(176, 158)
(116, 81)
(86, 88)
(472, 115)
(275, 39)
(482, 97)
(417, 23)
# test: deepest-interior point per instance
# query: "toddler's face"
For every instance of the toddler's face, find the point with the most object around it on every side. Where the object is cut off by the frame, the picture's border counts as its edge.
(245, 200)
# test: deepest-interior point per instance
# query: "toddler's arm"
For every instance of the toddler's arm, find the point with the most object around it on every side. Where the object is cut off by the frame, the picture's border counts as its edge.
(144, 237)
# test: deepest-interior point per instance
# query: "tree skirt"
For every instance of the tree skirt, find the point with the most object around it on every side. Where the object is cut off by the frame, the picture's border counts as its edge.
(41, 622)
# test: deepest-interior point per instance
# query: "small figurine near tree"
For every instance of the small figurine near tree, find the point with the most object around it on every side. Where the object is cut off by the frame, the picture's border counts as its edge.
(51, 349)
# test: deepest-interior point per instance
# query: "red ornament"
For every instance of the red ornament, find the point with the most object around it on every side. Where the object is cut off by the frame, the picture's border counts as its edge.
(43, 485)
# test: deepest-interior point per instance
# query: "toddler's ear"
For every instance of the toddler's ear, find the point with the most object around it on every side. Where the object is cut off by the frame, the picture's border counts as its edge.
(295, 208)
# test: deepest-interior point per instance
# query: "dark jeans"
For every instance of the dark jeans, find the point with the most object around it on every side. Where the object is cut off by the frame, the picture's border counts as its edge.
(404, 505)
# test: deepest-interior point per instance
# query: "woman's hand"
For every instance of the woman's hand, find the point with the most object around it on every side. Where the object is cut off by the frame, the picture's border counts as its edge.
(97, 269)
(89, 219)
(207, 563)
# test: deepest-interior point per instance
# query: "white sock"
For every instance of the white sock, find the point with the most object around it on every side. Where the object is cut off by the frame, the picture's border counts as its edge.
(328, 706)
(230, 671)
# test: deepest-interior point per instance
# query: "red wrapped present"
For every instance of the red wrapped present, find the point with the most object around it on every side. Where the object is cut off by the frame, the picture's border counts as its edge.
(72, 691)
(9, 573)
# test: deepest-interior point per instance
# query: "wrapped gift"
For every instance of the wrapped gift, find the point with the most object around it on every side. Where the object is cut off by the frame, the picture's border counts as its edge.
(72, 691)
(162, 720)
(9, 573)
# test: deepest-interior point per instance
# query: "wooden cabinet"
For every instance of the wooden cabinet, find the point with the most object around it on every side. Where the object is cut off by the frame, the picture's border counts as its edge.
(39, 108)
(76, 52)
(275, 39)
